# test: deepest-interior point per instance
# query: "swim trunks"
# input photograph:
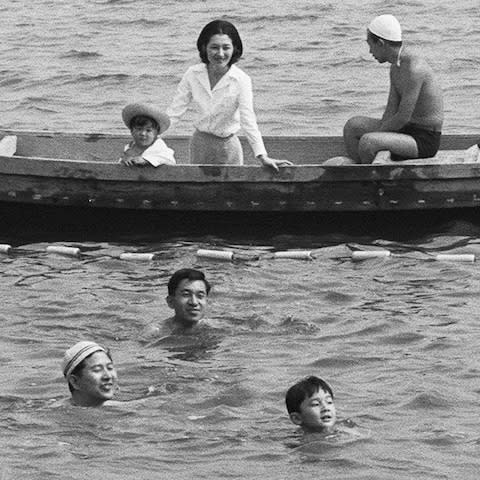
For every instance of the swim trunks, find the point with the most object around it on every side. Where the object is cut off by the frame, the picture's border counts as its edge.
(428, 141)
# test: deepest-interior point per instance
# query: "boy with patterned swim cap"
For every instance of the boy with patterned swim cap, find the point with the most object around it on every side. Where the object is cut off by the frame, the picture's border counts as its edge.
(146, 123)
(411, 124)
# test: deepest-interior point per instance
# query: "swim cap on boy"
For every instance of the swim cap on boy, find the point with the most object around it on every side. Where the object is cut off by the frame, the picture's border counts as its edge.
(134, 109)
(76, 354)
(386, 27)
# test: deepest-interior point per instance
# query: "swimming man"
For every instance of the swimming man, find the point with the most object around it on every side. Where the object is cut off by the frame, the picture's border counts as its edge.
(188, 291)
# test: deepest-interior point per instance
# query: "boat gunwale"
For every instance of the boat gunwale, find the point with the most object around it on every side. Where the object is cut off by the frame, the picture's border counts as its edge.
(181, 173)
(97, 169)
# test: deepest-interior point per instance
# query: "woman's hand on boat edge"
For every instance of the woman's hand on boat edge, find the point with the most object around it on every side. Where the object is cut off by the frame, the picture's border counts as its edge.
(273, 163)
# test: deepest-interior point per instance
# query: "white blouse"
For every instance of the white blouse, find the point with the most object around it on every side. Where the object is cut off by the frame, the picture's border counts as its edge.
(221, 111)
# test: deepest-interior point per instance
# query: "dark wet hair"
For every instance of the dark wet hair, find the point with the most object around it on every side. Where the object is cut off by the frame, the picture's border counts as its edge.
(304, 389)
(376, 39)
(142, 120)
(79, 368)
(220, 27)
(189, 274)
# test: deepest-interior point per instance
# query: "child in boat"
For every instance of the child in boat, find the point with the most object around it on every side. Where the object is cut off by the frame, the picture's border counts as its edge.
(146, 123)
(92, 379)
(222, 95)
(310, 405)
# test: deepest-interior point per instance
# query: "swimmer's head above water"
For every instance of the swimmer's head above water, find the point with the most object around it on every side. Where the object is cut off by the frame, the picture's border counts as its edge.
(310, 405)
(90, 373)
(188, 291)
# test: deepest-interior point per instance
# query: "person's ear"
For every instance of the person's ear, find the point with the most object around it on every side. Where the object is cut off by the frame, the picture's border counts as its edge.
(74, 380)
(296, 418)
(169, 300)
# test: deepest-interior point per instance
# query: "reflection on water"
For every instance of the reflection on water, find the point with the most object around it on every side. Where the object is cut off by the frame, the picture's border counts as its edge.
(189, 346)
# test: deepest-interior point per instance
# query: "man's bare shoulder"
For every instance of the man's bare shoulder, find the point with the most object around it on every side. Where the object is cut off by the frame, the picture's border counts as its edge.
(414, 63)
(157, 329)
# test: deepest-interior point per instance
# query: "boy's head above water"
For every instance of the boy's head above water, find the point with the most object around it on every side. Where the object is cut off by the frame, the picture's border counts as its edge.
(310, 405)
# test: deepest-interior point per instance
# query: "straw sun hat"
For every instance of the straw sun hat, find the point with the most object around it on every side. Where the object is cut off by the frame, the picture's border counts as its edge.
(134, 109)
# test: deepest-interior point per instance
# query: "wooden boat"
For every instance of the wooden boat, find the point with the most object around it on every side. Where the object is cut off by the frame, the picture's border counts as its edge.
(71, 169)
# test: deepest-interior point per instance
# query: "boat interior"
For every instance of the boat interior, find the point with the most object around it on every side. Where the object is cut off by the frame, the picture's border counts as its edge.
(95, 147)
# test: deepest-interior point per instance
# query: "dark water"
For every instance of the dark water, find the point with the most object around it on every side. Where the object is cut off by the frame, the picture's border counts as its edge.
(397, 338)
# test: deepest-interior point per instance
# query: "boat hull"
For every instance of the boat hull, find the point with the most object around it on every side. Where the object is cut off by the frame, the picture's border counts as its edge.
(81, 170)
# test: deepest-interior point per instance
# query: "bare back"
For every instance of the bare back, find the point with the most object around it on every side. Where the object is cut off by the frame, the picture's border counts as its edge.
(417, 90)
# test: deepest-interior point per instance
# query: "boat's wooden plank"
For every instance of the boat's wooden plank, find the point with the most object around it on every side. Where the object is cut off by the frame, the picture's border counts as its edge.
(22, 166)
(81, 169)
(261, 196)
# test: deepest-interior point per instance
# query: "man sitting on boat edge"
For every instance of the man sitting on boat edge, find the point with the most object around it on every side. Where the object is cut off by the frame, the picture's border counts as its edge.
(411, 124)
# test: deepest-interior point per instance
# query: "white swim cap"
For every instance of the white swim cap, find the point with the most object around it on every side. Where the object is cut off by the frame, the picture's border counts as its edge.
(386, 27)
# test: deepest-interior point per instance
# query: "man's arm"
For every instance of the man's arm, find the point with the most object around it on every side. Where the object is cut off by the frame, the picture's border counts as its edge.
(392, 103)
(410, 81)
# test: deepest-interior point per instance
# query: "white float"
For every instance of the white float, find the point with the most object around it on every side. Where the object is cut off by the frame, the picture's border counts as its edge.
(5, 248)
(294, 254)
(366, 254)
(215, 254)
(144, 257)
(70, 251)
(459, 257)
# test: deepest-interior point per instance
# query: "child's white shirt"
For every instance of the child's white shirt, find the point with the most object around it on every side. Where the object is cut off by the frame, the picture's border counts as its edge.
(157, 153)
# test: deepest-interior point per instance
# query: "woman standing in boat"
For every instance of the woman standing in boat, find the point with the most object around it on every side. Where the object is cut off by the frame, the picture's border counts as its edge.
(222, 96)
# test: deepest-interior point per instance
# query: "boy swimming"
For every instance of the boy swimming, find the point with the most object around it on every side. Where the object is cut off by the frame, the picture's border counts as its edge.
(310, 405)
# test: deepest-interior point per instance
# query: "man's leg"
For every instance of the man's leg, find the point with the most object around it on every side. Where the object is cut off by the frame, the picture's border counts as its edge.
(353, 131)
(397, 144)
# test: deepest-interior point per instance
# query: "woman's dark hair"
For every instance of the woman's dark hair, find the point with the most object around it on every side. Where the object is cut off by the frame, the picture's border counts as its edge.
(220, 27)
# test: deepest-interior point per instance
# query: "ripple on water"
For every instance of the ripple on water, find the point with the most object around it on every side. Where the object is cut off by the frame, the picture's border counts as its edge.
(428, 400)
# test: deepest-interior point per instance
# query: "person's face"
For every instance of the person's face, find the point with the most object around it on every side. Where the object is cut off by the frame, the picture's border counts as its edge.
(97, 381)
(219, 50)
(144, 136)
(376, 49)
(189, 301)
(318, 412)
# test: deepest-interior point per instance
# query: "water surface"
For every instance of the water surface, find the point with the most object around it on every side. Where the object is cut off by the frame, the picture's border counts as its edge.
(396, 338)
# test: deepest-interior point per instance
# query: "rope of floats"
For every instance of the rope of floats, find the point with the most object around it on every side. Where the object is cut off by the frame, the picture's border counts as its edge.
(230, 255)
